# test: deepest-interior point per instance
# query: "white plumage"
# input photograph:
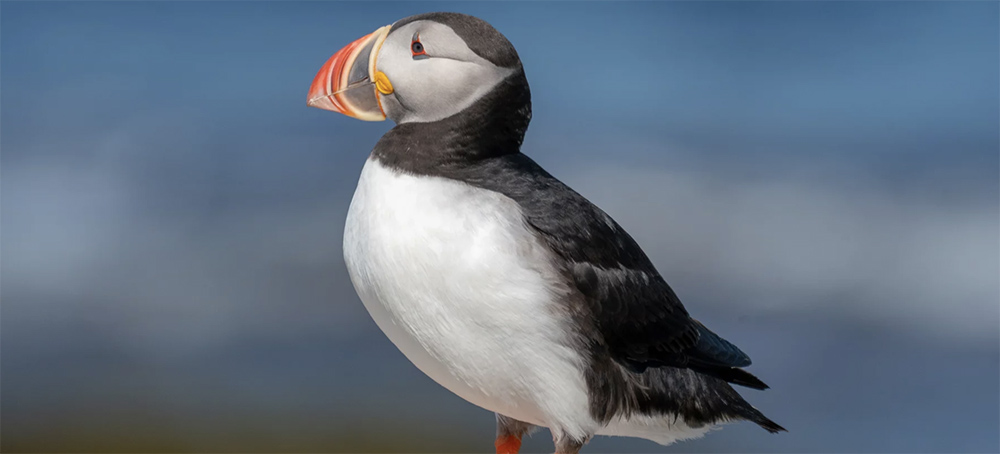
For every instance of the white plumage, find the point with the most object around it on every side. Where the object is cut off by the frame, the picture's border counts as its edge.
(455, 280)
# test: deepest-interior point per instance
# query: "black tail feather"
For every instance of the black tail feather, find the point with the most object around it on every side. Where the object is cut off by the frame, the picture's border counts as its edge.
(754, 415)
(732, 375)
(769, 425)
(699, 393)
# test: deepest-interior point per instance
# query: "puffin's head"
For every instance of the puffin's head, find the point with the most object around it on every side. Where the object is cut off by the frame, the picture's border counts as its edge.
(423, 68)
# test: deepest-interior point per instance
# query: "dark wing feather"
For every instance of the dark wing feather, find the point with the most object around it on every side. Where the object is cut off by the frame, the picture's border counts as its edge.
(639, 316)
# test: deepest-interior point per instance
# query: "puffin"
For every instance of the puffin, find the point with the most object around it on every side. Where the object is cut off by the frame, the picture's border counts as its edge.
(494, 278)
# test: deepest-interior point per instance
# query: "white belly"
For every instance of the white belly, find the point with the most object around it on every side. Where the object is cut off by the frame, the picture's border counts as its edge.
(455, 280)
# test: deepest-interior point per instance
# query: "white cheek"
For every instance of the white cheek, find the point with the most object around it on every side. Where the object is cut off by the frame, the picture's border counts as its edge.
(437, 88)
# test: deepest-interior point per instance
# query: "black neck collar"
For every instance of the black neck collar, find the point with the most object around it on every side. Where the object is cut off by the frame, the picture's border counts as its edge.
(492, 126)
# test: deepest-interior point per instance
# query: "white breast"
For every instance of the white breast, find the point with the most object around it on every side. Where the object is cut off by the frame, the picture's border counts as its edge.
(455, 280)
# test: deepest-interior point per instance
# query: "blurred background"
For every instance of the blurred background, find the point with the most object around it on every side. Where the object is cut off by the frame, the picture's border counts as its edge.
(818, 182)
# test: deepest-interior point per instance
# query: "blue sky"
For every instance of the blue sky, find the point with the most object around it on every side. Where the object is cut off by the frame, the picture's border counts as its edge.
(817, 180)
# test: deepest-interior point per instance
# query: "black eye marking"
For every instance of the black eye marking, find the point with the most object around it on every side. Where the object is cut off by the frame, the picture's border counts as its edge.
(417, 48)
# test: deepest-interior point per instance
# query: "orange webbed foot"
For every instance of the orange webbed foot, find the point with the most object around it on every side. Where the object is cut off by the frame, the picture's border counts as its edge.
(508, 444)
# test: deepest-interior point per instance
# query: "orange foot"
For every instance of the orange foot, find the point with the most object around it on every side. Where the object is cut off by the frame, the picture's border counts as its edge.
(508, 444)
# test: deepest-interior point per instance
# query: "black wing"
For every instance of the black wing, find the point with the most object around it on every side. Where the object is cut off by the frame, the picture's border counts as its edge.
(638, 315)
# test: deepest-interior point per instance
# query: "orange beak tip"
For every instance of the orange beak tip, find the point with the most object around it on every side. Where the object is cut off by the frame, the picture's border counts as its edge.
(339, 87)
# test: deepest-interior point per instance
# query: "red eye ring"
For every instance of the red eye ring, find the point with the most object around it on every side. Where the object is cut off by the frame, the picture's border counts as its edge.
(417, 48)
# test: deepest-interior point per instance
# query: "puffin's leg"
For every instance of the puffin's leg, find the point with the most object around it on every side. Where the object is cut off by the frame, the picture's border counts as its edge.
(567, 445)
(509, 433)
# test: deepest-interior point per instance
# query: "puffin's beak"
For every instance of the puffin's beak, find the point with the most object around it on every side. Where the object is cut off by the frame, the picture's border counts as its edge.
(346, 83)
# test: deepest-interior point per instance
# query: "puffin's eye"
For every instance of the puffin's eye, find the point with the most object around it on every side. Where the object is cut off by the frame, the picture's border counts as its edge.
(417, 48)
